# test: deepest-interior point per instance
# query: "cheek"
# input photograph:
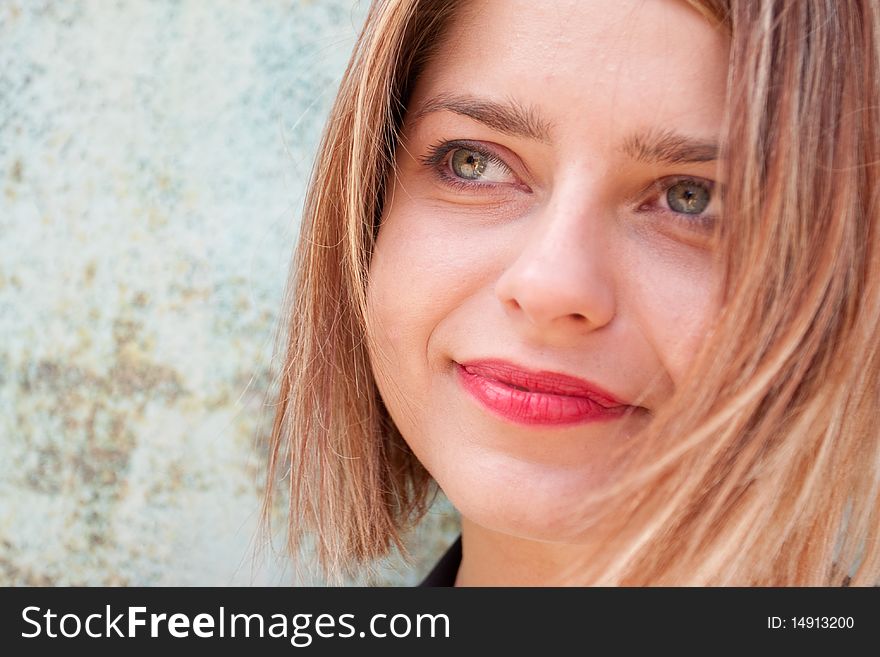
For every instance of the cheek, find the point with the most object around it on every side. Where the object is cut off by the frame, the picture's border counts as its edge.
(426, 263)
(392, 299)
(675, 311)
(405, 290)
(420, 276)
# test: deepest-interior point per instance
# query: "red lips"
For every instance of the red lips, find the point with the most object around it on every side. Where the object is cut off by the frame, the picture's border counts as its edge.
(537, 397)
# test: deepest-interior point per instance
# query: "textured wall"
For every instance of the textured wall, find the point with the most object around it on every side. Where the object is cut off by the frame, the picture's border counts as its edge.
(152, 163)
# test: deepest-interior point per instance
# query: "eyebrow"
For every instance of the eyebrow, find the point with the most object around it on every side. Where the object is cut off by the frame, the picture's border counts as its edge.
(510, 117)
(666, 146)
(651, 146)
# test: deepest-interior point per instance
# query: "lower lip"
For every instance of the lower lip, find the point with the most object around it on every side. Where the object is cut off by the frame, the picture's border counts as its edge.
(534, 408)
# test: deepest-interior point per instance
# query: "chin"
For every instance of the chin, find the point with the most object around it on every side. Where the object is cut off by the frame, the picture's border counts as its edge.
(538, 505)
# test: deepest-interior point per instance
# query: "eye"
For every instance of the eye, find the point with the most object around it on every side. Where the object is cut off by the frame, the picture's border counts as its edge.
(468, 164)
(688, 197)
(688, 204)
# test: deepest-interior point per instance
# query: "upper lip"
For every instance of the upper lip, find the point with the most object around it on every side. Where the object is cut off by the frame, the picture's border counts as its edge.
(544, 381)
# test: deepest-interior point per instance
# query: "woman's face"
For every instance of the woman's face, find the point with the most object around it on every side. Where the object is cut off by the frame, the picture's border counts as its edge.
(544, 270)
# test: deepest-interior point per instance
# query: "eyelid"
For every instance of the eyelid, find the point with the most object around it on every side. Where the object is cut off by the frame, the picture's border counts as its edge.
(439, 151)
(703, 221)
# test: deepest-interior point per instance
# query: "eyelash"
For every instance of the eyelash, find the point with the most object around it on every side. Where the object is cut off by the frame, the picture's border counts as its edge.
(436, 160)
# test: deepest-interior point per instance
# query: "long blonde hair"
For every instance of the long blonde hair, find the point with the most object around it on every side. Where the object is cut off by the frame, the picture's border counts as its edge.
(764, 468)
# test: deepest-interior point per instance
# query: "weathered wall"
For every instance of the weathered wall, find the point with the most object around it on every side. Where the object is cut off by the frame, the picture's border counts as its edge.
(152, 163)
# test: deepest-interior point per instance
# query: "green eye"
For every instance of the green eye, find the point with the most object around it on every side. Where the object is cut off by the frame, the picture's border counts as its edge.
(688, 197)
(468, 164)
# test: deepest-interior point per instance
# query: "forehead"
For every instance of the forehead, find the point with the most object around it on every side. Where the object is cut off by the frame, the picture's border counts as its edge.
(586, 65)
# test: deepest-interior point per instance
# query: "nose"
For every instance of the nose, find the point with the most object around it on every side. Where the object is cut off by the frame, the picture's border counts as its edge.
(559, 280)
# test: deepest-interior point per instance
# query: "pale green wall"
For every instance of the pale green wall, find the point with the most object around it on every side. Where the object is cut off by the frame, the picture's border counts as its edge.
(152, 162)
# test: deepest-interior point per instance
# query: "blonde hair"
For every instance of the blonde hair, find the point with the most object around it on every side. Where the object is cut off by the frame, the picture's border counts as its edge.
(764, 468)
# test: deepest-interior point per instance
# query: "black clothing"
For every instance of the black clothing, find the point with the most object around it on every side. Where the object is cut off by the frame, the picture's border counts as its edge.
(445, 571)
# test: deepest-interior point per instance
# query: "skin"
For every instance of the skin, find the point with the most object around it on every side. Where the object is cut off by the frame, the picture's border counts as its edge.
(567, 257)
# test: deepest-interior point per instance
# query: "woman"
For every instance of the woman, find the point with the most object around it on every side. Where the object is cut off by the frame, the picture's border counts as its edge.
(607, 274)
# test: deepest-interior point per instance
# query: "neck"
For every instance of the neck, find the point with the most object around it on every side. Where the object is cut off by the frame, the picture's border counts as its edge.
(491, 558)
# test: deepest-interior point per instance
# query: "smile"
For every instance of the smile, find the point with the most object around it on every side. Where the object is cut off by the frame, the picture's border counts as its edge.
(536, 398)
